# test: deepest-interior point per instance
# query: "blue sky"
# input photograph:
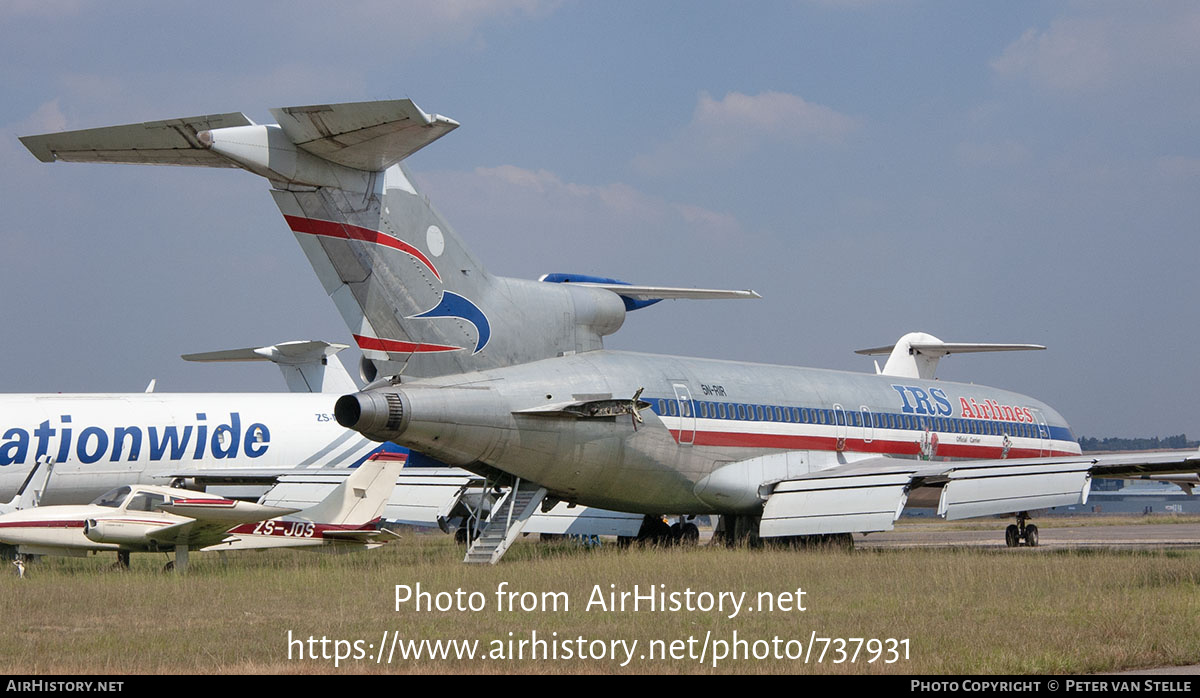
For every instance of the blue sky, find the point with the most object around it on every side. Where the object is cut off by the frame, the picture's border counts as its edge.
(1017, 171)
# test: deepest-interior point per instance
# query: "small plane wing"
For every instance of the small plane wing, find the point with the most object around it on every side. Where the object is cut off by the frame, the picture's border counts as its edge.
(869, 495)
(211, 519)
(169, 142)
(218, 510)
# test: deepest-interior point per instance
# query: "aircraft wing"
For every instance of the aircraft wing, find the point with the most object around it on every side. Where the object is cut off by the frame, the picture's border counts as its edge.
(211, 519)
(869, 495)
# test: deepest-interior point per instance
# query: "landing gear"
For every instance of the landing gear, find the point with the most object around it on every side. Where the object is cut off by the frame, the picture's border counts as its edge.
(466, 531)
(1019, 534)
(122, 563)
(654, 531)
(734, 530)
(689, 534)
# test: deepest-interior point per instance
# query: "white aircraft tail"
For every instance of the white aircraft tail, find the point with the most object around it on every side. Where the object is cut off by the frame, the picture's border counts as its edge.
(307, 366)
(413, 296)
(360, 498)
(29, 494)
(917, 354)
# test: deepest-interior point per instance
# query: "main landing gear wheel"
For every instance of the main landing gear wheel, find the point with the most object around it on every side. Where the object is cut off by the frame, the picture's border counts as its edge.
(122, 562)
(1020, 533)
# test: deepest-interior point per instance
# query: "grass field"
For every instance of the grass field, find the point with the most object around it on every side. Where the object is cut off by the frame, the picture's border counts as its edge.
(962, 611)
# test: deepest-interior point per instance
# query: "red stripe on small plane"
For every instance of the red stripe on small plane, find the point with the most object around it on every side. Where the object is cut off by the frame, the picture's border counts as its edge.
(285, 529)
(391, 457)
(346, 231)
(395, 346)
(203, 503)
(42, 524)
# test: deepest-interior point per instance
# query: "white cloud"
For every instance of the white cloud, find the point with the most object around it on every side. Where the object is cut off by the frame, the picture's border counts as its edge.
(1116, 45)
(526, 222)
(740, 124)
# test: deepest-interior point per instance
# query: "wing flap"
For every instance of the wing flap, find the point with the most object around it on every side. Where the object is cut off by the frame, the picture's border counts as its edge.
(985, 491)
(845, 504)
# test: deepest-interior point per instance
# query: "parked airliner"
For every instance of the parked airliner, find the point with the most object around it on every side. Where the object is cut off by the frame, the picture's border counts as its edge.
(509, 378)
(101, 441)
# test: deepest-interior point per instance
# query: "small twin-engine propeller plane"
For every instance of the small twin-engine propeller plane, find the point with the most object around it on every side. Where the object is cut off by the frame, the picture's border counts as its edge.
(147, 518)
(508, 377)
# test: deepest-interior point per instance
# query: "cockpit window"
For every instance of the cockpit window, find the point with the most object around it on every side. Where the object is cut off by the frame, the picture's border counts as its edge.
(112, 498)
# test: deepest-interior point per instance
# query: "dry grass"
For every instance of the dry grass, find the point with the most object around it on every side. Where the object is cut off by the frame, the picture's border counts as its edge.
(965, 611)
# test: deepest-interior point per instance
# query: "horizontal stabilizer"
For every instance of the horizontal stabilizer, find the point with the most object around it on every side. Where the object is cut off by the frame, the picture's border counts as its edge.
(846, 504)
(169, 142)
(636, 297)
(298, 352)
(646, 293)
(307, 366)
(947, 348)
(916, 355)
(369, 136)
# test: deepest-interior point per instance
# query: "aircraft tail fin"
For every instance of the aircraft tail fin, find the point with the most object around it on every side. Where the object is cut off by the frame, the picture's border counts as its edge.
(29, 494)
(415, 299)
(916, 355)
(360, 498)
(307, 366)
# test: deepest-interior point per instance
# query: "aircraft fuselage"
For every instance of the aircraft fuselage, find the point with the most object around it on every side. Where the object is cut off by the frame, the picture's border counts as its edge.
(100, 441)
(705, 418)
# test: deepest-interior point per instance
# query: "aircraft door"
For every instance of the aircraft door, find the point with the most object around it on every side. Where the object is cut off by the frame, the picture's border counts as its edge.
(1043, 432)
(868, 428)
(839, 421)
(687, 414)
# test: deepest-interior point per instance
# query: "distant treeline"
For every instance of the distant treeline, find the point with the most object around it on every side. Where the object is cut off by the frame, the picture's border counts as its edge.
(1181, 441)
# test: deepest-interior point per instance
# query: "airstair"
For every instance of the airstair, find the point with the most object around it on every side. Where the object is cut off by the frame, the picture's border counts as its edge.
(507, 519)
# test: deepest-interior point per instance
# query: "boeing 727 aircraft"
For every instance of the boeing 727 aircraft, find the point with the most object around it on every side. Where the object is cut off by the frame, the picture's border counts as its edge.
(509, 378)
